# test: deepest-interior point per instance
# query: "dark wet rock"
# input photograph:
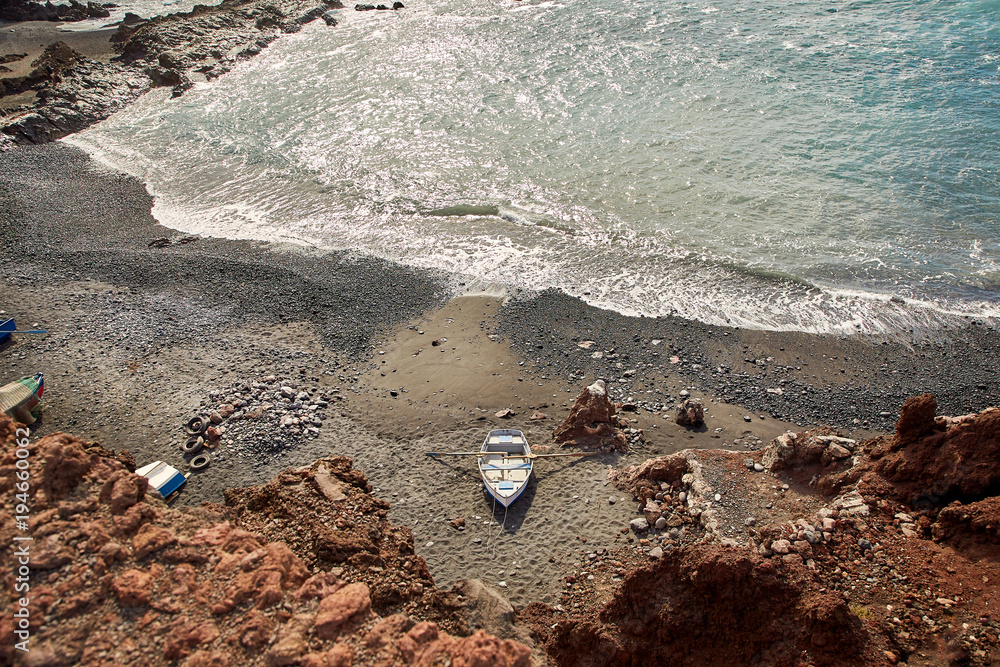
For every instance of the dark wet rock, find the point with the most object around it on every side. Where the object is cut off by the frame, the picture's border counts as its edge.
(164, 77)
(26, 10)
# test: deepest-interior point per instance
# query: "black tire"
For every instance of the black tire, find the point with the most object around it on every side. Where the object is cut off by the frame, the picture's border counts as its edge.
(200, 462)
(196, 426)
(193, 444)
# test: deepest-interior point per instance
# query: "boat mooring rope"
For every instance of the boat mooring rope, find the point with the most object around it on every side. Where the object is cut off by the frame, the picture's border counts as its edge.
(489, 528)
(503, 525)
(492, 540)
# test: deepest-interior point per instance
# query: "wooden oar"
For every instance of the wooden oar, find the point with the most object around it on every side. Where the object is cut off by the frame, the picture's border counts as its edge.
(509, 456)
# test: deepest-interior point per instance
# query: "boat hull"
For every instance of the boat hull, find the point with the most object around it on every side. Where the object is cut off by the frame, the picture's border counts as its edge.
(505, 465)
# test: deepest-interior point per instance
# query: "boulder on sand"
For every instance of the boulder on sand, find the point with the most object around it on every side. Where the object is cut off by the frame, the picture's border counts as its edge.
(691, 413)
(592, 422)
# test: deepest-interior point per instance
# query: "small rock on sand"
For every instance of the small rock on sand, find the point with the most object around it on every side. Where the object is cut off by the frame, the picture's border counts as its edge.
(639, 525)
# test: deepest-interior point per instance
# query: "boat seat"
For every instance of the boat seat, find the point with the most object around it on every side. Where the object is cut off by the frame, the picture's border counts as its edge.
(506, 486)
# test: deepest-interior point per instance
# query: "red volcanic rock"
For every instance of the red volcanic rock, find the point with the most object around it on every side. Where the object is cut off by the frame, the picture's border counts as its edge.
(121, 578)
(206, 659)
(63, 466)
(51, 553)
(122, 490)
(916, 419)
(318, 586)
(425, 645)
(339, 656)
(255, 632)
(132, 588)
(592, 421)
(484, 649)
(266, 574)
(184, 634)
(351, 603)
(386, 631)
(979, 521)
(668, 468)
(760, 612)
(959, 461)
(149, 539)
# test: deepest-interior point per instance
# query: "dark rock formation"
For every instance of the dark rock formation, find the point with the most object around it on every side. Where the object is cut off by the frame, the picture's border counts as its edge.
(916, 419)
(169, 51)
(28, 10)
(973, 522)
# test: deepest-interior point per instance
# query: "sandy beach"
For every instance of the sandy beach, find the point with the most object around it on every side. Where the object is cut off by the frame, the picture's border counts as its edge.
(141, 338)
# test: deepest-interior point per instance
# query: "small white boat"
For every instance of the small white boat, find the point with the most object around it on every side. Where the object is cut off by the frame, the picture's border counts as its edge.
(164, 479)
(505, 464)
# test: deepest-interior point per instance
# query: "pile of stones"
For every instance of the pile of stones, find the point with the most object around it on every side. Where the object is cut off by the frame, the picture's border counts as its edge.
(263, 418)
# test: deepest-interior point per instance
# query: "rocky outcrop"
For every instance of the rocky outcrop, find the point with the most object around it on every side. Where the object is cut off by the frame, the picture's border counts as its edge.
(710, 605)
(593, 422)
(866, 577)
(28, 10)
(978, 521)
(820, 450)
(47, 69)
(326, 514)
(117, 576)
(929, 460)
(169, 51)
(916, 419)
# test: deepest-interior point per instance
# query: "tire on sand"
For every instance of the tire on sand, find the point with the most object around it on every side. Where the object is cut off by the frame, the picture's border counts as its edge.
(196, 426)
(200, 462)
(193, 444)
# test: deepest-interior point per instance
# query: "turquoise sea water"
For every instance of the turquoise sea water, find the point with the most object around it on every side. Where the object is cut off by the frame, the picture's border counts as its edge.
(785, 165)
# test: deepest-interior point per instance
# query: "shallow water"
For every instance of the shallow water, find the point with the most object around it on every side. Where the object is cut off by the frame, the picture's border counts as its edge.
(780, 165)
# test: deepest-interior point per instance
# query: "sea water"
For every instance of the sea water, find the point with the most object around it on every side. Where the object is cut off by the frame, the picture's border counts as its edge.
(825, 166)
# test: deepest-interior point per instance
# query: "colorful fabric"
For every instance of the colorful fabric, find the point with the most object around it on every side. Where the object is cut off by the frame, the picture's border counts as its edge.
(19, 398)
